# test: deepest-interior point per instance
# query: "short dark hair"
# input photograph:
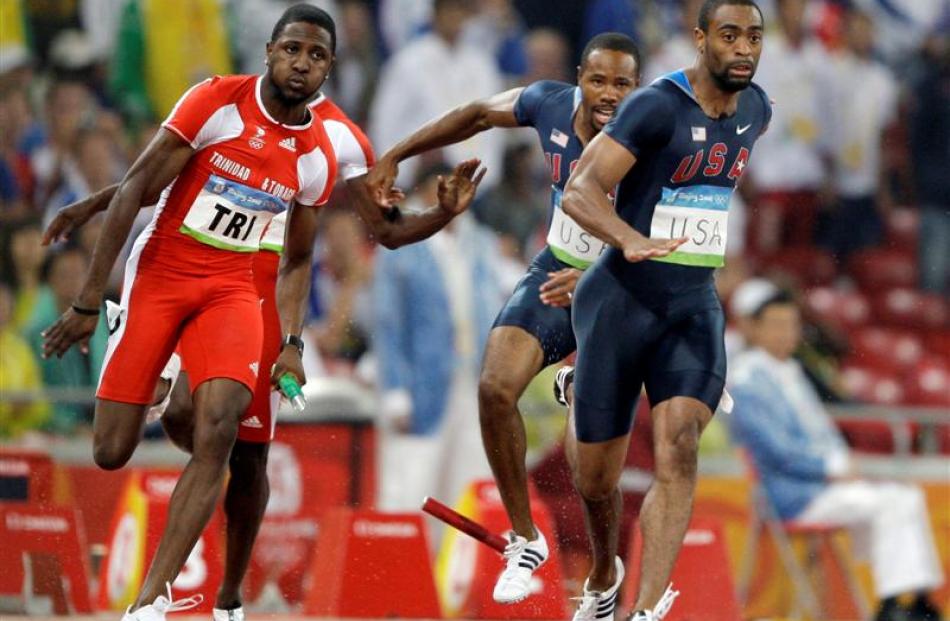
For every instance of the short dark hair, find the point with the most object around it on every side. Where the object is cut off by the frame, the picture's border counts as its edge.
(781, 297)
(306, 13)
(711, 6)
(614, 41)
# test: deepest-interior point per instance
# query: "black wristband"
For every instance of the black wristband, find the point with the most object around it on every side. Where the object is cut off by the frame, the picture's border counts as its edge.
(89, 312)
(292, 339)
(392, 214)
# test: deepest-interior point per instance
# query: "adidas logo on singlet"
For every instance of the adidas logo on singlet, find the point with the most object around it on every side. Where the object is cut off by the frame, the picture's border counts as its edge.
(253, 421)
(289, 143)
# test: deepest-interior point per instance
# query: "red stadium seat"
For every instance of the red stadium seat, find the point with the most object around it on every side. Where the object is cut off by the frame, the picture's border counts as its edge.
(910, 308)
(903, 229)
(872, 385)
(868, 436)
(893, 351)
(943, 439)
(877, 269)
(937, 342)
(845, 310)
(808, 266)
(929, 383)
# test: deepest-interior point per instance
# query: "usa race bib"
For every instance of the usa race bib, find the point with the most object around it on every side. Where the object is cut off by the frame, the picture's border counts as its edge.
(568, 241)
(231, 216)
(699, 213)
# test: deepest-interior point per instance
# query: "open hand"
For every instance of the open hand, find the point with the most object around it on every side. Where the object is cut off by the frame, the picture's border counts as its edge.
(458, 189)
(380, 180)
(641, 248)
(69, 329)
(66, 221)
(558, 290)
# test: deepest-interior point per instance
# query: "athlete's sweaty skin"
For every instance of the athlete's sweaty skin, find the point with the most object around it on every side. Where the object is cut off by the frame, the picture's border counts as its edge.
(728, 53)
(247, 489)
(513, 354)
(297, 65)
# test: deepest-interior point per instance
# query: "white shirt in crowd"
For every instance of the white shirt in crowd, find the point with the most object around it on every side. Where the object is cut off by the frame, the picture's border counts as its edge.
(862, 102)
(788, 156)
(425, 79)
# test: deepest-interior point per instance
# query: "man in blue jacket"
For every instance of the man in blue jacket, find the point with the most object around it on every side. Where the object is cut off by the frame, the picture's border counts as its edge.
(804, 463)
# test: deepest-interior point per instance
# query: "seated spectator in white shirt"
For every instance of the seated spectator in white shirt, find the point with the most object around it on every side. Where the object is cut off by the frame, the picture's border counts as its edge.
(806, 469)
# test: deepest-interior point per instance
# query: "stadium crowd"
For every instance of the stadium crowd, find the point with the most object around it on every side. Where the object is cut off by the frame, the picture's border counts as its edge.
(845, 202)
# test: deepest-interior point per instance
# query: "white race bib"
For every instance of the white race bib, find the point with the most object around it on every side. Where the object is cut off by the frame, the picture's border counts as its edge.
(699, 213)
(231, 216)
(273, 238)
(568, 241)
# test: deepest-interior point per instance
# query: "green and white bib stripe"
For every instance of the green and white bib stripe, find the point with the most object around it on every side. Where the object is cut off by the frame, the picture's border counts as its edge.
(699, 213)
(273, 239)
(568, 241)
(231, 216)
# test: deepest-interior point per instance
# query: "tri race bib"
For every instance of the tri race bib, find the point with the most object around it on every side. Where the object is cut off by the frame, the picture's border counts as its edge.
(699, 213)
(231, 216)
(568, 241)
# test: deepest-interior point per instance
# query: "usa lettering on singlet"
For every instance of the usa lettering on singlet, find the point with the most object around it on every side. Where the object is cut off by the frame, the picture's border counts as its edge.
(687, 168)
(550, 107)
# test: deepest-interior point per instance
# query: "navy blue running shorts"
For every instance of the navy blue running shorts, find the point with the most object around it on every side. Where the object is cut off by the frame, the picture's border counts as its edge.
(674, 349)
(525, 310)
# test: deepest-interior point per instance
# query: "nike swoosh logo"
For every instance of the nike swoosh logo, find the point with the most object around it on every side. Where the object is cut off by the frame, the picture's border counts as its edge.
(742, 130)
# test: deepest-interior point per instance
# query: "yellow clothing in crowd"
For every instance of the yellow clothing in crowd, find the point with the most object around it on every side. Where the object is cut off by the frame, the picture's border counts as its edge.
(19, 372)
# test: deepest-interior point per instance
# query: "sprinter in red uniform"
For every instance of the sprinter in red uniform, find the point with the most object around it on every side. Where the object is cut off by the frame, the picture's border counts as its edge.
(247, 490)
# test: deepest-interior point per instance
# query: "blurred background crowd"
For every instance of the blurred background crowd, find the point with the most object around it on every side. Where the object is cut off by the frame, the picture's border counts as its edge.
(846, 202)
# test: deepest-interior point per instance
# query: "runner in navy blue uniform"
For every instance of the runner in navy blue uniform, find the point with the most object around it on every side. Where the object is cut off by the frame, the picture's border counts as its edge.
(534, 328)
(647, 313)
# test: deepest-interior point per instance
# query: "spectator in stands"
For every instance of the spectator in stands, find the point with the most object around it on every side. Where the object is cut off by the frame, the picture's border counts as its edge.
(342, 287)
(17, 131)
(860, 111)
(515, 209)
(678, 49)
(401, 21)
(69, 106)
(356, 69)
(63, 275)
(547, 56)
(26, 261)
(788, 172)
(92, 165)
(435, 302)
(806, 469)
(429, 76)
(18, 372)
(929, 134)
(497, 28)
(610, 16)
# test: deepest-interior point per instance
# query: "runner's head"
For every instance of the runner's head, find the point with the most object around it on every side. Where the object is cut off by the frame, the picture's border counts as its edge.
(728, 37)
(609, 71)
(300, 52)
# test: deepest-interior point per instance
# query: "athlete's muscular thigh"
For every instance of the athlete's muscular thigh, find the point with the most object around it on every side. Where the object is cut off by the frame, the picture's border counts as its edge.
(116, 428)
(512, 358)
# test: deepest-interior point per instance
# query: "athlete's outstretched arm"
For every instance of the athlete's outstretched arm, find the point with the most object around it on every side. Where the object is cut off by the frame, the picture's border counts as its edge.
(158, 166)
(394, 228)
(71, 217)
(602, 166)
(452, 127)
(74, 215)
(293, 285)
